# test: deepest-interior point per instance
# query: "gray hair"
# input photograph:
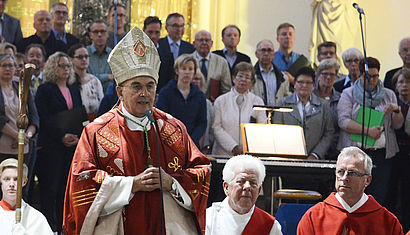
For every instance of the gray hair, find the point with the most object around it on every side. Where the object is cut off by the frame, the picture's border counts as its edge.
(351, 53)
(8, 56)
(330, 63)
(243, 162)
(264, 40)
(49, 72)
(401, 43)
(358, 153)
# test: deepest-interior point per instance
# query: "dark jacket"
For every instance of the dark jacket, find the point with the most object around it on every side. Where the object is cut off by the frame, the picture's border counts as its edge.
(282, 88)
(109, 100)
(50, 101)
(192, 111)
(51, 45)
(388, 79)
(166, 70)
(239, 58)
(31, 110)
(11, 29)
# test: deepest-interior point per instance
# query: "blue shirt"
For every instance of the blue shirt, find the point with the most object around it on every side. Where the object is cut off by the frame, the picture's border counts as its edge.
(99, 66)
(61, 37)
(280, 62)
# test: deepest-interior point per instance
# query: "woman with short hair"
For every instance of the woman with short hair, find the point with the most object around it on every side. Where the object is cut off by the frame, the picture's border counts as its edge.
(233, 108)
(184, 100)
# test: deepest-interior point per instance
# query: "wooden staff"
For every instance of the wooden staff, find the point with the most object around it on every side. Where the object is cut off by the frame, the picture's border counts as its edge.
(22, 123)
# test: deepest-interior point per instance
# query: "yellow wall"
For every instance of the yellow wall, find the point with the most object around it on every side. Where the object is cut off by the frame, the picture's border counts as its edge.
(24, 10)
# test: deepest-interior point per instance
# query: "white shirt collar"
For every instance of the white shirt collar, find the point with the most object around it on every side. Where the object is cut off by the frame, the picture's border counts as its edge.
(200, 57)
(356, 206)
(132, 125)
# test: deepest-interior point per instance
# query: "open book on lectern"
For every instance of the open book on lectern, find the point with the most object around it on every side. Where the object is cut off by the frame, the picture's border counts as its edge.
(273, 140)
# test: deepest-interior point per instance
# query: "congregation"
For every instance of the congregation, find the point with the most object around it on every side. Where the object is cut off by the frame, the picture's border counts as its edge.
(211, 93)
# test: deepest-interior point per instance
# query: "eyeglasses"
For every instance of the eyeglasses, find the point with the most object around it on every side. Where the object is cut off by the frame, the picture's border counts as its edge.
(203, 40)
(332, 75)
(349, 61)
(138, 88)
(304, 83)
(99, 31)
(177, 26)
(7, 66)
(64, 66)
(342, 172)
(264, 50)
(119, 15)
(243, 77)
(80, 57)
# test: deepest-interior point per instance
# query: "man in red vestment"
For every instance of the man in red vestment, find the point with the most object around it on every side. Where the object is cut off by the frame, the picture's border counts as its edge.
(114, 181)
(350, 211)
(243, 177)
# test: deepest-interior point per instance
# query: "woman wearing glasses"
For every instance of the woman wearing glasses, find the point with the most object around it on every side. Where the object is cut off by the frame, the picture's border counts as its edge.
(233, 108)
(380, 99)
(56, 147)
(9, 110)
(327, 74)
(184, 100)
(310, 112)
(90, 87)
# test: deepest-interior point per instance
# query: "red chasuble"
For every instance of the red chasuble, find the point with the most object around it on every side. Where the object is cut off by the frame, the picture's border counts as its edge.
(260, 223)
(329, 217)
(108, 147)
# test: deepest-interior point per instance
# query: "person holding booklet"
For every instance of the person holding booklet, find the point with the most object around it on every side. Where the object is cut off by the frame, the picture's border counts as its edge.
(380, 99)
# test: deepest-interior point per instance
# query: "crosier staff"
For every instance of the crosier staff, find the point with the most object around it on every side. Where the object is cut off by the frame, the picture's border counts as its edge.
(22, 123)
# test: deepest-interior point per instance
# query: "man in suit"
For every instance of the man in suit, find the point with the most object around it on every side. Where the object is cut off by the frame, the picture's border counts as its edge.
(172, 46)
(351, 58)
(59, 17)
(214, 67)
(404, 52)
(43, 35)
(10, 30)
(231, 36)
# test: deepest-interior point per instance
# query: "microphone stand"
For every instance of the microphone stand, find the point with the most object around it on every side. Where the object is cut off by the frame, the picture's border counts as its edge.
(115, 22)
(151, 119)
(366, 78)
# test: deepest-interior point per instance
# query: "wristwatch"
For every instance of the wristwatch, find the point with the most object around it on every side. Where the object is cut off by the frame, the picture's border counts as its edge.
(397, 110)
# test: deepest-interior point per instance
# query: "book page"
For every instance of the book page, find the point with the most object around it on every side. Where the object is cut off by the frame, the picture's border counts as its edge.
(275, 139)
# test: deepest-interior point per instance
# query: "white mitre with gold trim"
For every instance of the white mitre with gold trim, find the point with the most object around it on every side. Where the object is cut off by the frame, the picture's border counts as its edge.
(134, 56)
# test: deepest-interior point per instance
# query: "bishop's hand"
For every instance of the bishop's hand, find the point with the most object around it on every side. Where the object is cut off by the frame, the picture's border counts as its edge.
(148, 180)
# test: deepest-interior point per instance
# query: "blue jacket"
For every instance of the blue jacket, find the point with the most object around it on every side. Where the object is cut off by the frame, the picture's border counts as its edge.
(192, 111)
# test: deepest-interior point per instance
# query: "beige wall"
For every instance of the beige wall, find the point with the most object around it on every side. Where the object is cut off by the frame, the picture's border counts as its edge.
(387, 23)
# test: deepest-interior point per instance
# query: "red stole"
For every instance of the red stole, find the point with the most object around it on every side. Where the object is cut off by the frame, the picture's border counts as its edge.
(260, 223)
(6, 206)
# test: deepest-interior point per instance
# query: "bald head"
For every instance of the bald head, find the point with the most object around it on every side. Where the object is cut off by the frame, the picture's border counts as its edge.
(404, 51)
(42, 22)
(203, 42)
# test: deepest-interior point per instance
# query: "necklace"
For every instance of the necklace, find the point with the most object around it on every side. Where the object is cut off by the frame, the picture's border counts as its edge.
(144, 128)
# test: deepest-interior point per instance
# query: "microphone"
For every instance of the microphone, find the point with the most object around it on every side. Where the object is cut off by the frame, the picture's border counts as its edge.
(360, 10)
(151, 119)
